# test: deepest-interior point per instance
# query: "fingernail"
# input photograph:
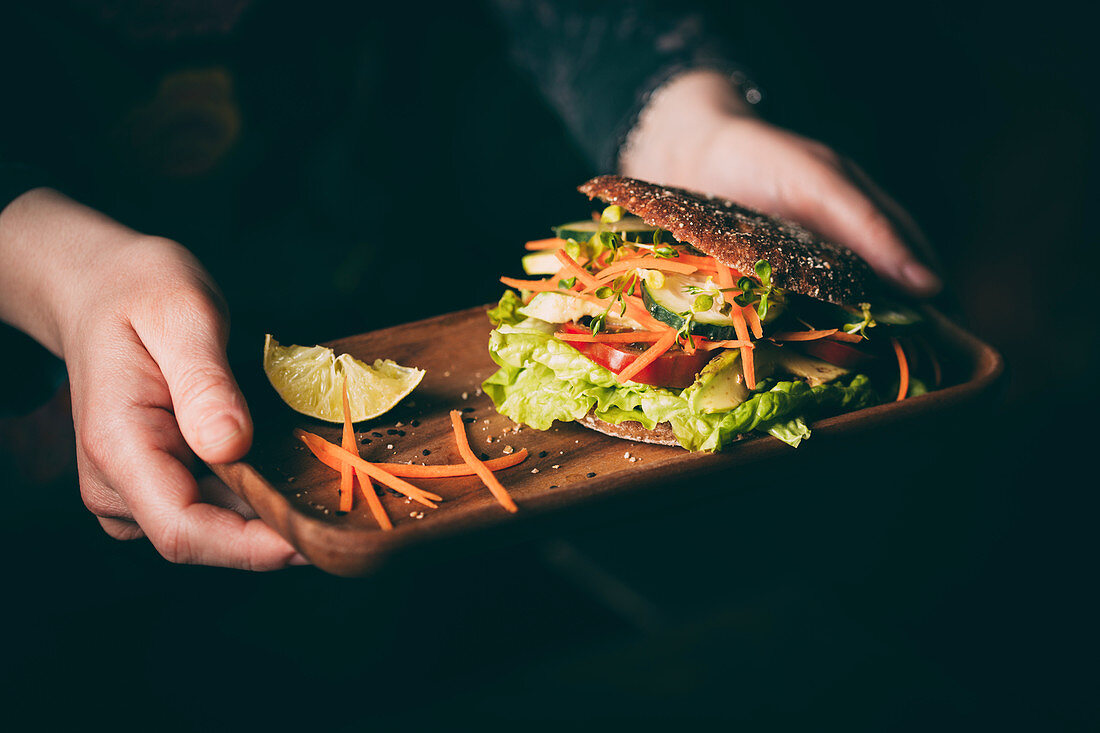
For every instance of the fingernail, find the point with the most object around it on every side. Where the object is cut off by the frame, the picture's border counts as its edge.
(298, 559)
(920, 279)
(217, 430)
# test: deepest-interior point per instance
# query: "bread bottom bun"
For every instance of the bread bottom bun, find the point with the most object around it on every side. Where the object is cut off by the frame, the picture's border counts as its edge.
(661, 434)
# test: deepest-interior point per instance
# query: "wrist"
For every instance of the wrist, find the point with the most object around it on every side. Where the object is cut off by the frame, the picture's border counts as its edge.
(52, 253)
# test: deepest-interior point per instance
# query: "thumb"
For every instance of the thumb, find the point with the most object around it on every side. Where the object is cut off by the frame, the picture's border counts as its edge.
(208, 405)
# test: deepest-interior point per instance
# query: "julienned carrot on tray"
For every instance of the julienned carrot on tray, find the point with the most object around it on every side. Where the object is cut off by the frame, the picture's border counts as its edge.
(391, 474)
(676, 318)
(491, 482)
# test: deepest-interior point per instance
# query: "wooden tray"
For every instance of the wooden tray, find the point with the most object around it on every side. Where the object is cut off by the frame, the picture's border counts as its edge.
(568, 464)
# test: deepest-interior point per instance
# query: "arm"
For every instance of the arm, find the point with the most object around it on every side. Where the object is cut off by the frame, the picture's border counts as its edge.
(142, 331)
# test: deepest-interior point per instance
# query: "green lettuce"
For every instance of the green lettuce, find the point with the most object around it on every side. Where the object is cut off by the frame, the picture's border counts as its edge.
(541, 380)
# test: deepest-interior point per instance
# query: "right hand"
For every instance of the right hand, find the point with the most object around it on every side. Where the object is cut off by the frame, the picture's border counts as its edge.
(142, 329)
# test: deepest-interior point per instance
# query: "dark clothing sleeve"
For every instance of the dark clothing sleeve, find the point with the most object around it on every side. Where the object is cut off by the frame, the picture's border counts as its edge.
(16, 179)
(598, 62)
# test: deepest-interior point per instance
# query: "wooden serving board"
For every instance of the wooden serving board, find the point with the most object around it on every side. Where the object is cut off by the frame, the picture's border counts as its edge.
(297, 495)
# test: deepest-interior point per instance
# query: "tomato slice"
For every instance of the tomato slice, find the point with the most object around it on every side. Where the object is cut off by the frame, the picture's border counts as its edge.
(673, 369)
(837, 352)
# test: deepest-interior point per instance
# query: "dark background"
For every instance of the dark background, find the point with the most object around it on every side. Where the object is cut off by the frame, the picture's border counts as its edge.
(935, 575)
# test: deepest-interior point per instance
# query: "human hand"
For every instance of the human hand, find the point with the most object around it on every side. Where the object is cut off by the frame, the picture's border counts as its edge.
(697, 133)
(142, 329)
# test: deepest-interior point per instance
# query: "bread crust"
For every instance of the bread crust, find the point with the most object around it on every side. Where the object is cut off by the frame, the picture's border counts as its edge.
(661, 434)
(738, 236)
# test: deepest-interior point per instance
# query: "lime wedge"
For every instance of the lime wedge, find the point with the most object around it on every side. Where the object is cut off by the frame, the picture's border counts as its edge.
(310, 380)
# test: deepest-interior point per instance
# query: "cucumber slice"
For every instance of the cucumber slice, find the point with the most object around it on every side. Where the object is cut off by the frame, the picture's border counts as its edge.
(631, 227)
(667, 302)
(541, 263)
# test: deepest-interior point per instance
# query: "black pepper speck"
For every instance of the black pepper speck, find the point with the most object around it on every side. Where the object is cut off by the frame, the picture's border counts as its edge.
(467, 409)
(469, 419)
(415, 423)
(542, 454)
(591, 475)
(391, 431)
(426, 452)
(376, 434)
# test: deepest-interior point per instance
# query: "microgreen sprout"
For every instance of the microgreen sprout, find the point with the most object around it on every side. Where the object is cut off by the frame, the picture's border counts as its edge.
(754, 294)
(867, 322)
(567, 283)
(621, 287)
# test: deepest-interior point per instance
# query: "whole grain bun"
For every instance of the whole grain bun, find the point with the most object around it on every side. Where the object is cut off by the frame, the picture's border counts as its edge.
(738, 236)
(661, 434)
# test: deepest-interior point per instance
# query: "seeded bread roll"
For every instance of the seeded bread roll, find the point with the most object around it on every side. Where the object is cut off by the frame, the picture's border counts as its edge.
(738, 236)
(661, 434)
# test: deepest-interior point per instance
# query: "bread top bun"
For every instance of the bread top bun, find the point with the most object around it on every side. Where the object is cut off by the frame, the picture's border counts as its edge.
(738, 237)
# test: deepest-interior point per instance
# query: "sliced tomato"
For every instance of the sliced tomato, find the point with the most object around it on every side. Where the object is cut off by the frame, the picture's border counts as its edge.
(673, 369)
(837, 352)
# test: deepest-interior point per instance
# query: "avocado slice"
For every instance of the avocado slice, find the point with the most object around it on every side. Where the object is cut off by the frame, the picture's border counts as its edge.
(720, 386)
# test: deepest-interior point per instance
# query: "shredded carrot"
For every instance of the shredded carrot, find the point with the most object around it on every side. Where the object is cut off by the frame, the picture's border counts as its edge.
(635, 308)
(319, 446)
(535, 286)
(852, 338)
(648, 263)
(706, 345)
(347, 474)
(486, 476)
(365, 484)
(630, 337)
(334, 460)
(903, 368)
(740, 325)
(551, 243)
(451, 470)
(583, 276)
(803, 335)
(747, 363)
(753, 319)
(649, 356)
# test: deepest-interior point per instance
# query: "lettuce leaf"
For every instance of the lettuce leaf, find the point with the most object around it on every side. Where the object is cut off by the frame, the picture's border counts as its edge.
(541, 380)
(506, 309)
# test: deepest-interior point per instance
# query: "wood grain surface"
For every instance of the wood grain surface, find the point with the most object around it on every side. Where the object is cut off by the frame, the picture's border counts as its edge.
(297, 495)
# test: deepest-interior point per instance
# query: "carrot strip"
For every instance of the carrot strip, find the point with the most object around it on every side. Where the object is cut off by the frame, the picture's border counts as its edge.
(483, 473)
(583, 276)
(411, 470)
(903, 368)
(365, 484)
(649, 263)
(753, 319)
(535, 286)
(712, 345)
(725, 279)
(631, 337)
(648, 357)
(852, 338)
(319, 446)
(551, 243)
(451, 470)
(803, 335)
(347, 474)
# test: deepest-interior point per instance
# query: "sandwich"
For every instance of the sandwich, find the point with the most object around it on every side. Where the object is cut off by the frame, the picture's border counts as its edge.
(676, 318)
